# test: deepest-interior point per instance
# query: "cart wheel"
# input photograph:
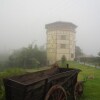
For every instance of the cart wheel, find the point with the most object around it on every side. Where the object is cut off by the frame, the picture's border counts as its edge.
(78, 91)
(56, 92)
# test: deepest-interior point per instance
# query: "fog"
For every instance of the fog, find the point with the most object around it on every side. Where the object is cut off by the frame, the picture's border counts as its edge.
(22, 22)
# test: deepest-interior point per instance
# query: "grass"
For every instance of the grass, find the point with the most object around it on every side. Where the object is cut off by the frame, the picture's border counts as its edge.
(91, 86)
(36, 69)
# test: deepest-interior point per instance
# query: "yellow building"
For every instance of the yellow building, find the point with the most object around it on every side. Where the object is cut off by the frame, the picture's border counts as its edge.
(60, 41)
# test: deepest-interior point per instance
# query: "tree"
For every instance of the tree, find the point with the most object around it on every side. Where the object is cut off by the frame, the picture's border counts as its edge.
(63, 61)
(78, 52)
(40, 54)
(28, 57)
(98, 53)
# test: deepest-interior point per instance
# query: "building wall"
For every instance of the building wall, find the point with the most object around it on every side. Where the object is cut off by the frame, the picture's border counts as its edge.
(51, 46)
(59, 43)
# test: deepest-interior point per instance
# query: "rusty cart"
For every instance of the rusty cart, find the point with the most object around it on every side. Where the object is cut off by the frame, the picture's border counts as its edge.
(52, 84)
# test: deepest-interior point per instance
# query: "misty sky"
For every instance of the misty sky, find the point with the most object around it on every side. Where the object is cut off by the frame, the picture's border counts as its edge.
(23, 22)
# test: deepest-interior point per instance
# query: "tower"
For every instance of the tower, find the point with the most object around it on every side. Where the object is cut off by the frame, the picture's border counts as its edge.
(60, 41)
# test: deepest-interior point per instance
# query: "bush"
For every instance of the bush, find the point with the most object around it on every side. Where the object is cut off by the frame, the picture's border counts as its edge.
(63, 61)
(91, 60)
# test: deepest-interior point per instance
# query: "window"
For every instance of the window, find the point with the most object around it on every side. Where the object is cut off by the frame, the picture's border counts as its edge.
(63, 46)
(63, 37)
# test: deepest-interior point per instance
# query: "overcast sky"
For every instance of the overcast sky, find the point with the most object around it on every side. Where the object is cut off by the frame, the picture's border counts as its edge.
(23, 22)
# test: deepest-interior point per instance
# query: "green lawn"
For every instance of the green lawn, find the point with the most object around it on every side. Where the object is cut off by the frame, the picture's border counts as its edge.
(91, 86)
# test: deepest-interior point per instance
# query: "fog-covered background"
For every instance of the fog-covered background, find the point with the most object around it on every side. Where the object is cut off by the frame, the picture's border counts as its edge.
(22, 22)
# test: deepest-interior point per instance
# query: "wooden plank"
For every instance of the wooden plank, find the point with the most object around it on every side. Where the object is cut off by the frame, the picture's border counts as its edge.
(60, 75)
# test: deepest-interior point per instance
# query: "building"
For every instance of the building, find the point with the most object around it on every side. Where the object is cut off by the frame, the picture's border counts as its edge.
(60, 41)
